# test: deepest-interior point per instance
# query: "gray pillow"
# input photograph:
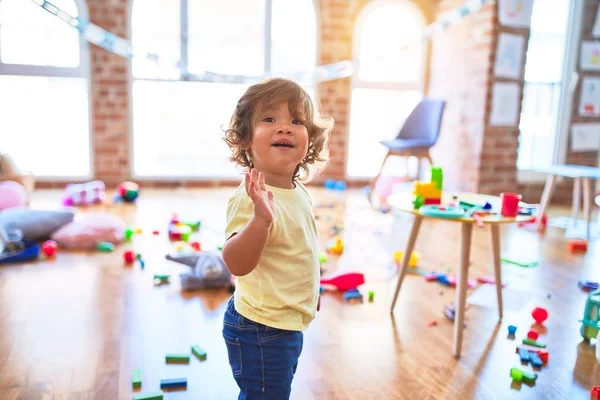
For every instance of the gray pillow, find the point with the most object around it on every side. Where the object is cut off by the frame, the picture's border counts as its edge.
(35, 224)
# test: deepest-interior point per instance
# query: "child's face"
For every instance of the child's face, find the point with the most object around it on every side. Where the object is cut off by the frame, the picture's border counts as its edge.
(279, 140)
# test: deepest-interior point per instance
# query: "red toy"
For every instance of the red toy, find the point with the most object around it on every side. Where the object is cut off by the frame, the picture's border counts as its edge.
(510, 204)
(533, 334)
(195, 245)
(595, 393)
(577, 245)
(345, 281)
(129, 256)
(539, 314)
(49, 248)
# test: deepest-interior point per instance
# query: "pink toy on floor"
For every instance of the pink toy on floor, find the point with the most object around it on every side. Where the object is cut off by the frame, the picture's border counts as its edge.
(345, 281)
(78, 194)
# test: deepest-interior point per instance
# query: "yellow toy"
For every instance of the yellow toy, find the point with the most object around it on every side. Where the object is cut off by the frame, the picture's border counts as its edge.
(414, 258)
(429, 192)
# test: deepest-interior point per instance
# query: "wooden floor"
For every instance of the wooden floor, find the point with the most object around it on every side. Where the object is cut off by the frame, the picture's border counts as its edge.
(77, 326)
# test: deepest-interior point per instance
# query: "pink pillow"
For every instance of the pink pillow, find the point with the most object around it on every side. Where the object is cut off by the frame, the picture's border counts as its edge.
(89, 229)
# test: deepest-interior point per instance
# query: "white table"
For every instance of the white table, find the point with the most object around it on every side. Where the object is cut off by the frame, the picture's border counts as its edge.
(582, 175)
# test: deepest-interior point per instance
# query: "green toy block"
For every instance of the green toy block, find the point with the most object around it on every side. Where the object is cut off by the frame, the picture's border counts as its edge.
(322, 258)
(437, 177)
(418, 202)
(128, 233)
(194, 225)
(371, 296)
(533, 343)
(162, 277)
(148, 396)
(177, 358)
(105, 247)
(199, 352)
(136, 380)
(519, 375)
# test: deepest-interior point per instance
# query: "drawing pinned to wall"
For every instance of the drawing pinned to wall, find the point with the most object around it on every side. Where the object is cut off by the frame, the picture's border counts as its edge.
(515, 13)
(596, 28)
(590, 56)
(509, 56)
(585, 137)
(589, 103)
(505, 104)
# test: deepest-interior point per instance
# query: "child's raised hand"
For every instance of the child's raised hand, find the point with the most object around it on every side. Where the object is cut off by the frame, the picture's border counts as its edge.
(261, 197)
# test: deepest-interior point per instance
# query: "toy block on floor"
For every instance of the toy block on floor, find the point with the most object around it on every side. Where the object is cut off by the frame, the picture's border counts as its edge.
(148, 396)
(177, 358)
(524, 355)
(535, 359)
(577, 246)
(136, 380)
(199, 352)
(533, 343)
(178, 383)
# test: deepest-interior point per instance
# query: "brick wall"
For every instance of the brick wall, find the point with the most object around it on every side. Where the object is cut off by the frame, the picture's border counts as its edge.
(461, 61)
(110, 96)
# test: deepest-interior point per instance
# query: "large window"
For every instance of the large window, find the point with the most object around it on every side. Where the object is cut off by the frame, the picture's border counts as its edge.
(44, 107)
(178, 112)
(543, 90)
(389, 80)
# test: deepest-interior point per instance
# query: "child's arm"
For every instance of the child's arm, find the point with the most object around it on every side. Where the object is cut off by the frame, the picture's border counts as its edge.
(242, 251)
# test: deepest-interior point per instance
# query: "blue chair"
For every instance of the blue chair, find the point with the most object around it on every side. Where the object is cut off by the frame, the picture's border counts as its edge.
(418, 134)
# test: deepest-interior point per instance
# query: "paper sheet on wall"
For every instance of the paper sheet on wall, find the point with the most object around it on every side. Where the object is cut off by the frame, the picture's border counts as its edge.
(585, 137)
(509, 56)
(596, 28)
(515, 13)
(590, 56)
(505, 104)
(589, 102)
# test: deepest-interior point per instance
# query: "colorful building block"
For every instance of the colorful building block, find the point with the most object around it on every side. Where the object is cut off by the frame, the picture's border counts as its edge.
(535, 359)
(533, 343)
(524, 355)
(173, 383)
(177, 358)
(199, 352)
(136, 379)
(148, 396)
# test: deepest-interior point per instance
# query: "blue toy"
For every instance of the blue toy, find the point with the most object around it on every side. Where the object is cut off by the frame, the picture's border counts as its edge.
(434, 210)
(329, 184)
(512, 329)
(340, 185)
(173, 383)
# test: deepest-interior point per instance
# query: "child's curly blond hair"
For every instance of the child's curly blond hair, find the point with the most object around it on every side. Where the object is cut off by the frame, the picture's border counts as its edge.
(264, 95)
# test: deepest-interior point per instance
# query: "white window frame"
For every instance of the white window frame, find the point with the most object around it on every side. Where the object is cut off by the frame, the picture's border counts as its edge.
(188, 77)
(569, 82)
(81, 71)
(358, 83)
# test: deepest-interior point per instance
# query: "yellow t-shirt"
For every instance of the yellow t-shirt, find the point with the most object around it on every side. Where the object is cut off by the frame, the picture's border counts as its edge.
(283, 290)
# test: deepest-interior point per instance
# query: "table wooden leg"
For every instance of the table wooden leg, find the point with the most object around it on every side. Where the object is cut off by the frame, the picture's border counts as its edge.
(495, 229)
(406, 257)
(587, 210)
(461, 292)
(576, 201)
(548, 189)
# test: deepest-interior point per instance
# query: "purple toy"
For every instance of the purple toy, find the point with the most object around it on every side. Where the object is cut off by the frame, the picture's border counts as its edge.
(80, 194)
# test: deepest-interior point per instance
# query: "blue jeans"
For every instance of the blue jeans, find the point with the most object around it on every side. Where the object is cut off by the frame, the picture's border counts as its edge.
(263, 359)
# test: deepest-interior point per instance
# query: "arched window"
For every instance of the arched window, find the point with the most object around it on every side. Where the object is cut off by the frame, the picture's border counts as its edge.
(177, 112)
(44, 90)
(388, 83)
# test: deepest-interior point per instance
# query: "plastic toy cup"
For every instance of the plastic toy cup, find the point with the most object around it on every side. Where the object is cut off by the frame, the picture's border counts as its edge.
(510, 204)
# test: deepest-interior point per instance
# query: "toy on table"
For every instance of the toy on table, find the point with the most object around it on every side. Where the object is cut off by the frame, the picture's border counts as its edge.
(345, 281)
(427, 193)
(510, 204)
(440, 211)
(81, 194)
(590, 323)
